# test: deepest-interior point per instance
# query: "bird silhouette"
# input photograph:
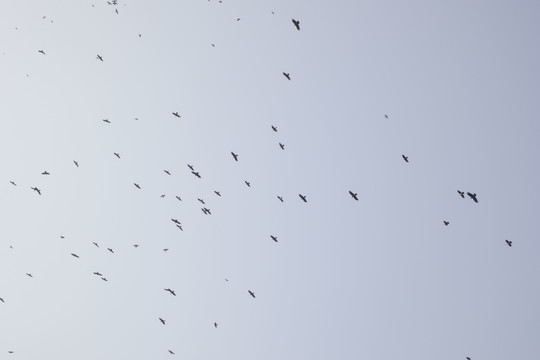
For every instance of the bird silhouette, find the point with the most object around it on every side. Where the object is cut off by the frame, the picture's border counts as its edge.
(191, 167)
(215, 325)
(12, 183)
(354, 195)
(76, 163)
(235, 156)
(36, 190)
(282, 146)
(406, 158)
(280, 198)
(171, 291)
(196, 174)
(446, 222)
(162, 196)
(99, 57)
(111, 250)
(461, 193)
(167, 172)
(75, 255)
(162, 321)
(107, 121)
(206, 211)
(296, 24)
(175, 221)
(201, 201)
(509, 243)
(137, 185)
(95, 243)
(303, 197)
(251, 293)
(274, 238)
(45, 173)
(274, 128)
(473, 196)
(97, 273)
(247, 183)
(135, 245)
(30, 275)
(176, 114)
(170, 351)
(104, 279)
(178, 197)
(386, 116)
(2, 300)
(180, 227)
(41, 51)
(117, 155)
(287, 75)
(217, 193)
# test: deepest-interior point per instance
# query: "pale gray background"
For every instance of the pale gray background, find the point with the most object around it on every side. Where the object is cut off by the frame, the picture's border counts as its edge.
(381, 278)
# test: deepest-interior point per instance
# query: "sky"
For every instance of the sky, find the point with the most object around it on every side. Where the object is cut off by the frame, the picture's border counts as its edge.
(378, 278)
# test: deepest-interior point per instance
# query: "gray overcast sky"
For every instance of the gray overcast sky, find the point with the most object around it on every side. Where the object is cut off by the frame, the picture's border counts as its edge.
(380, 278)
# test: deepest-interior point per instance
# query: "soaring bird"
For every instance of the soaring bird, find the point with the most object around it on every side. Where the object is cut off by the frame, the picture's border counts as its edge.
(461, 193)
(473, 196)
(10, 352)
(107, 121)
(280, 198)
(446, 223)
(12, 183)
(354, 195)
(217, 193)
(191, 167)
(97, 273)
(406, 158)
(274, 238)
(45, 173)
(303, 197)
(41, 51)
(274, 128)
(180, 227)
(282, 146)
(75, 255)
(296, 23)
(36, 190)
(247, 183)
(201, 201)
(167, 172)
(287, 75)
(111, 250)
(95, 243)
(76, 163)
(176, 221)
(509, 243)
(171, 291)
(178, 197)
(170, 351)
(104, 279)
(215, 325)
(137, 185)
(386, 116)
(206, 211)
(176, 114)
(117, 155)
(61, 236)
(30, 275)
(162, 321)
(235, 156)
(162, 196)
(99, 57)
(2, 300)
(196, 173)
(251, 293)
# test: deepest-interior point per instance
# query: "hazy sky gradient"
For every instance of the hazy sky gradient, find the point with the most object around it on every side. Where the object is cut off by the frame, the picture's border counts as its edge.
(380, 278)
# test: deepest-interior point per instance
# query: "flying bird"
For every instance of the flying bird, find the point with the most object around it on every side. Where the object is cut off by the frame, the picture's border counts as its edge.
(166, 251)
(2, 300)
(386, 116)
(97, 273)
(274, 238)
(297, 24)
(303, 197)
(95, 243)
(104, 279)
(235, 156)
(206, 211)
(461, 193)
(175, 221)
(30, 275)
(274, 128)
(287, 75)
(247, 183)
(75, 255)
(446, 223)
(176, 114)
(167, 172)
(162, 321)
(162, 196)
(251, 293)
(509, 243)
(196, 173)
(406, 158)
(191, 167)
(135, 245)
(171, 291)
(180, 227)
(76, 163)
(215, 325)
(354, 195)
(282, 146)
(137, 185)
(280, 198)
(170, 351)
(111, 250)
(13, 183)
(99, 57)
(36, 190)
(217, 193)
(178, 197)
(117, 155)
(201, 200)
(107, 121)
(473, 196)
(45, 173)
(41, 51)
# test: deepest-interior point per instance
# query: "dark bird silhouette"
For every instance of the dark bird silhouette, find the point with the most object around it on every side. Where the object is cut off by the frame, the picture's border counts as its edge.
(45, 173)
(303, 197)
(12, 183)
(191, 167)
(2, 300)
(166, 251)
(386, 116)
(111, 250)
(75, 255)
(280, 198)
(137, 185)
(282, 146)
(135, 245)
(76, 163)
(509, 243)
(473, 196)
(104, 279)
(61, 236)
(274, 128)
(107, 121)
(406, 158)
(167, 172)
(461, 193)
(171, 291)
(162, 321)
(247, 183)
(287, 75)
(36, 190)
(206, 211)
(97, 273)
(99, 57)
(297, 24)
(170, 351)
(354, 195)
(201, 200)
(178, 197)
(30, 275)
(117, 155)
(238, 19)
(217, 193)
(176, 114)
(175, 221)
(196, 174)
(235, 156)
(446, 223)
(162, 196)
(251, 293)
(95, 243)
(10, 352)
(274, 238)
(41, 51)
(468, 358)
(180, 227)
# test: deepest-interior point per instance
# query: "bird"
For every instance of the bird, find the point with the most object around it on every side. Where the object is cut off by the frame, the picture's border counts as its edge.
(280, 198)
(137, 185)
(99, 57)
(135, 245)
(170, 351)
(282, 146)
(297, 24)
(201, 201)
(461, 193)
(468, 358)
(97, 273)
(162, 321)
(180, 227)
(167, 172)
(303, 197)
(165, 250)
(251, 293)
(354, 195)
(206, 211)
(12, 183)
(217, 193)
(2, 300)
(107, 121)
(162, 196)
(10, 352)
(36, 190)
(274, 128)
(247, 183)
(95, 243)
(238, 19)
(75, 255)
(446, 222)
(171, 291)
(117, 155)
(41, 51)
(191, 167)
(61, 236)
(104, 279)
(215, 325)
(111, 250)
(473, 196)
(176, 114)
(287, 75)
(274, 238)
(45, 173)
(386, 116)
(178, 197)
(235, 156)
(30, 275)
(196, 174)
(509, 243)
(406, 158)
(76, 163)
(175, 221)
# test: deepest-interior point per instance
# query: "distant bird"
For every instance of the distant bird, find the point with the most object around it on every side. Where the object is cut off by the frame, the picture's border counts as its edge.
(95, 243)
(97, 273)
(107, 121)
(468, 358)
(45, 173)
(282, 146)
(104, 279)
(180, 227)
(201, 201)
(135, 245)
(111, 250)
(2, 300)
(167, 172)
(137, 185)
(162, 196)
(76, 163)
(217, 193)
(99, 57)
(36, 190)
(354, 195)
(280, 198)
(287, 75)
(61, 236)
(461, 193)
(406, 158)
(386, 116)
(196, 174)
(274, 128)
(473, 196)
(274, 238)
(251, 293)
(191, 167)
(162, 321)
(176, 114)
(297, 24)
(238, 19)
(75, 255)
(178, 197)
(235, 156)
(175, 221)
(117, 155)
(41, 51)
(303, 197)
(30, 275)
(247, 183)
(206, 211)
(213, 45)
(12, 183)
(10, 352)
(446, 223)
(165, 250)
(509, 243)
(171, 352)
(171, 291)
